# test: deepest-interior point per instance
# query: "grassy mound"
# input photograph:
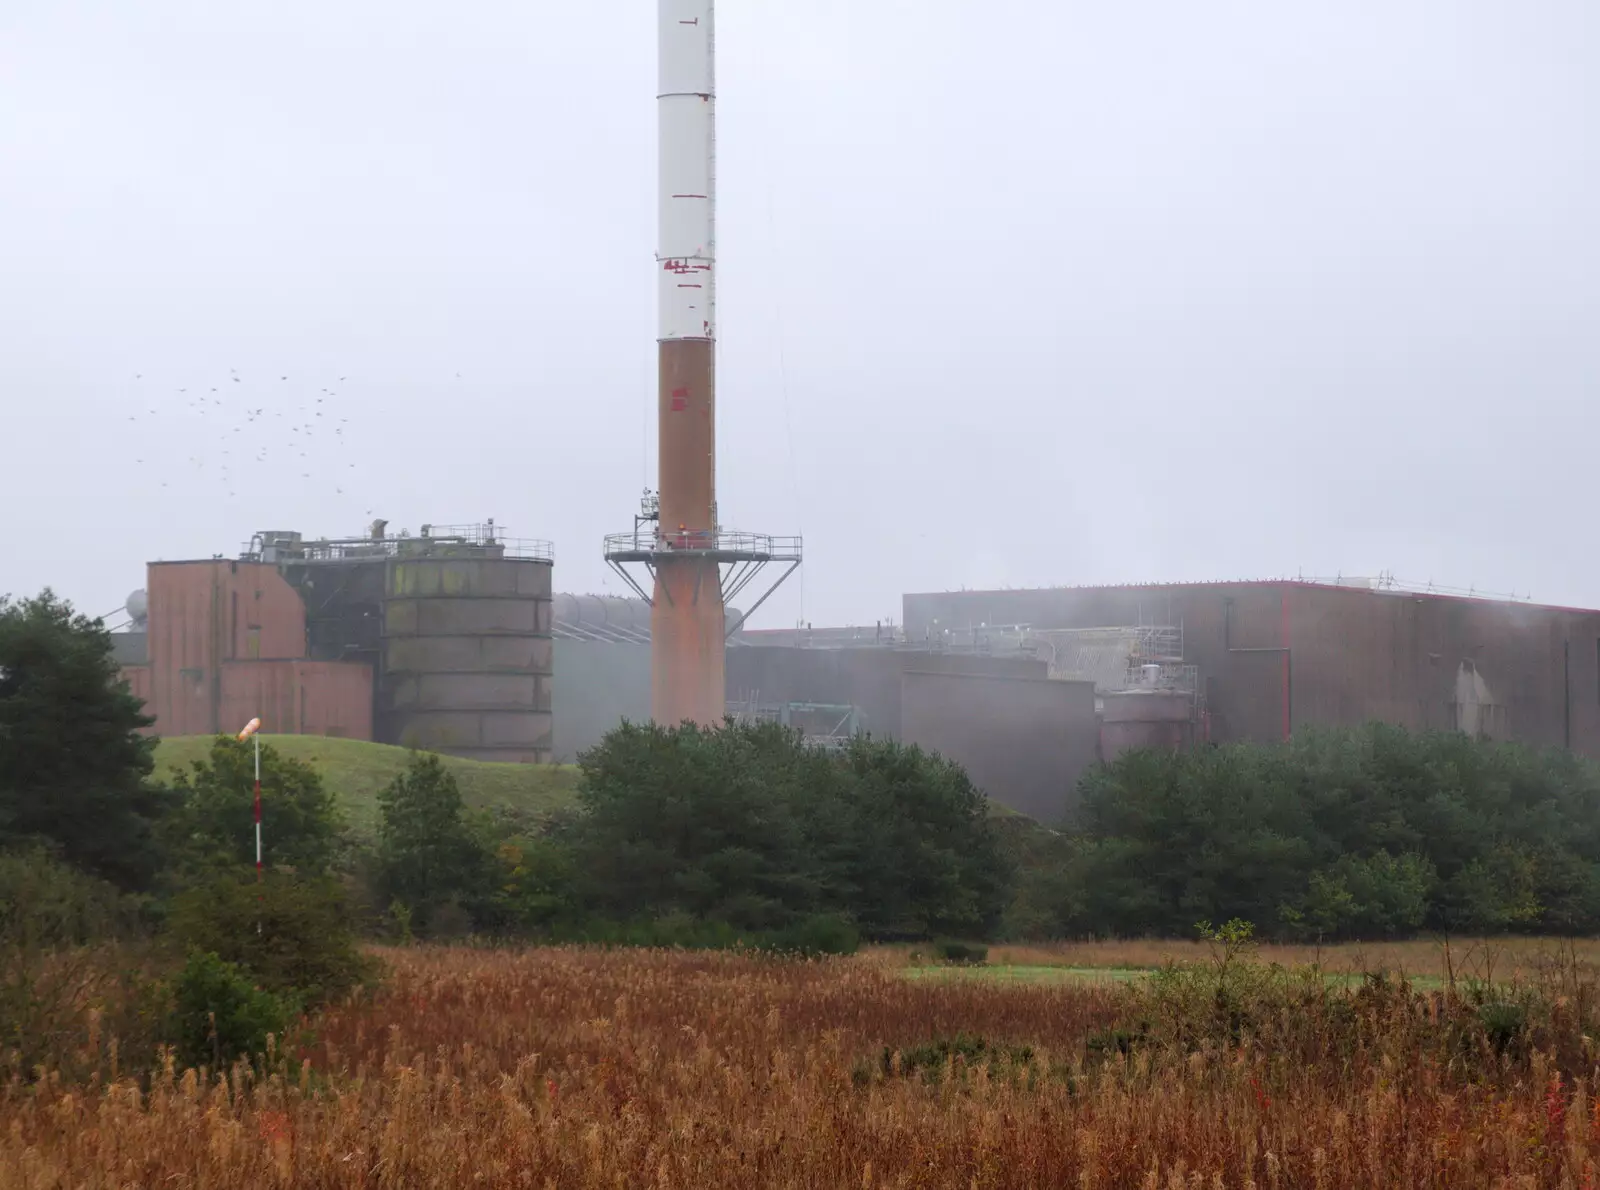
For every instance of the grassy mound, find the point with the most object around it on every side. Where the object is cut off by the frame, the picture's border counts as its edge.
(355, 770)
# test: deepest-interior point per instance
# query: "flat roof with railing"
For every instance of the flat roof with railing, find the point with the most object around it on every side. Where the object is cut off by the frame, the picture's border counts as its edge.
(435, 541)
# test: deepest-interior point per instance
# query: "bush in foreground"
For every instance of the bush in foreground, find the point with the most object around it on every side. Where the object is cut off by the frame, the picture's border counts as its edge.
(219, 1014)
(46, 903)
(291, 935)
(214, 825)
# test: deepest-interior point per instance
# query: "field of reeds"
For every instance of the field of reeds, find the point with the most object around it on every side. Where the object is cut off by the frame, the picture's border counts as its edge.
(567, 1067)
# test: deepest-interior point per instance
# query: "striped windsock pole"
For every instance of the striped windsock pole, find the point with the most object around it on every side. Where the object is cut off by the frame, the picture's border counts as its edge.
(258, 807)
(251, 729)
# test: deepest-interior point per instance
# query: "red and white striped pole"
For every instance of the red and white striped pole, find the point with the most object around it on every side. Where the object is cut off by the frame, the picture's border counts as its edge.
(251, 729)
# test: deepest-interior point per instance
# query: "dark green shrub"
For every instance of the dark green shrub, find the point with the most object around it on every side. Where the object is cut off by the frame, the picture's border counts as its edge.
(291, 935)
(219, 1014)
(427, 858)
(78, 1010)
(1505, 1026)
(747, 825)
(1361, 832)
(964, 953)
(959, 1054)
(673, 931)
(820, 934)
(74, 766)
(45, 903)
(813, 936)
(1117, 1041)
(213, 827)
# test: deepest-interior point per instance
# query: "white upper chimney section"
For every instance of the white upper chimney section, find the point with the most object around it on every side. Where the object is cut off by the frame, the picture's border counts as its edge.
(686, 107)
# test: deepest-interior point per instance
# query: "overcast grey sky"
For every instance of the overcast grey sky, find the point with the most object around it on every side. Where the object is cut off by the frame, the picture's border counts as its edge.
(1129, 291)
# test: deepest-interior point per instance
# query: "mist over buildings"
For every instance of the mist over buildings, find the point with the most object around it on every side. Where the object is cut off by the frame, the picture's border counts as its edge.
(1158, 293)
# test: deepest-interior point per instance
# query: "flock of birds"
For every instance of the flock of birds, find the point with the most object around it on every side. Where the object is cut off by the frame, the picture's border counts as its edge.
(241, 434)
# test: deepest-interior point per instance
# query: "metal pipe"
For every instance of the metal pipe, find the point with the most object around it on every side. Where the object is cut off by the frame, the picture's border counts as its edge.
(252, 730)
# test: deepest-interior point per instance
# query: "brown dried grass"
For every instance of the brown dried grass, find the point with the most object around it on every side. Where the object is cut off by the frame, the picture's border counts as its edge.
(586, 1068)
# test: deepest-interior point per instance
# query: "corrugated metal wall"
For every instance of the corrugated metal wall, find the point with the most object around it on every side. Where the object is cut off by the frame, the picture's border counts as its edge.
(598, 684)
(227, 643)
(300, 697)
(468, 660)
(1231, 631)
(866, 678)
(1508, 670)
(601, 683)
(203, 614)
(1277, 655)
(138, 679)
(1023, 741)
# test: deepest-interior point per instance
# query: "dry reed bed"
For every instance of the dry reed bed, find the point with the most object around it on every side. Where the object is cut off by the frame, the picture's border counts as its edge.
(573, 1068)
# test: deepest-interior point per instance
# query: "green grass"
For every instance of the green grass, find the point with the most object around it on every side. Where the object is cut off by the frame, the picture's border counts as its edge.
(355, 770)
(1028, 973)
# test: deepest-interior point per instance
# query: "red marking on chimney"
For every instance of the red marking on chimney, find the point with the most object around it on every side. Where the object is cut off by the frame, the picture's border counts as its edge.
(680, 400)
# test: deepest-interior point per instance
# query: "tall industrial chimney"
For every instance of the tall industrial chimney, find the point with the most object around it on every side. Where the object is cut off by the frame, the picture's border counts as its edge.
(676, 535)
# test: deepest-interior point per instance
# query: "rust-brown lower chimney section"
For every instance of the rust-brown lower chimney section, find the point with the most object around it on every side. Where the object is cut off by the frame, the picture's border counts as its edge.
(687, 630)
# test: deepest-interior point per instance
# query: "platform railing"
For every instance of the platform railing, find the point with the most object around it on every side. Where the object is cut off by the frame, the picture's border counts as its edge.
(656, 541)
(440, 540)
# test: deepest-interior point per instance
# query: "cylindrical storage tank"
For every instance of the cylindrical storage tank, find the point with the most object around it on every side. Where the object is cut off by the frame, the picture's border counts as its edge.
(467, 658)
(565, 609)
(629, 617)
(1161, 719)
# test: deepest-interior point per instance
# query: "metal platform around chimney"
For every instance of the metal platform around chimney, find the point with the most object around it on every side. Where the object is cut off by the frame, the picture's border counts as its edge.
(722, 545)
(740, 556)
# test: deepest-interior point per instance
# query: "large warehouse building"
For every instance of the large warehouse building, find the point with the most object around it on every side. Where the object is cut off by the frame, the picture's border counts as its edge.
(1264, 658)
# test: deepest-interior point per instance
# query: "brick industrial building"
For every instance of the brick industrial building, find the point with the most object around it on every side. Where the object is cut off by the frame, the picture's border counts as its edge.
(1268, 657)
(452, 640)
(440, 641)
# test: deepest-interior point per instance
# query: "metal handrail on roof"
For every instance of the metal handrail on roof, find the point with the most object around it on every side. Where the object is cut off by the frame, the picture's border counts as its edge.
(436, 540)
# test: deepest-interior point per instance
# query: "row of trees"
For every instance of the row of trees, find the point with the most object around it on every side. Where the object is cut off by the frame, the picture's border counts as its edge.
(685, 834)
(1370, 832)
(701, 835)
